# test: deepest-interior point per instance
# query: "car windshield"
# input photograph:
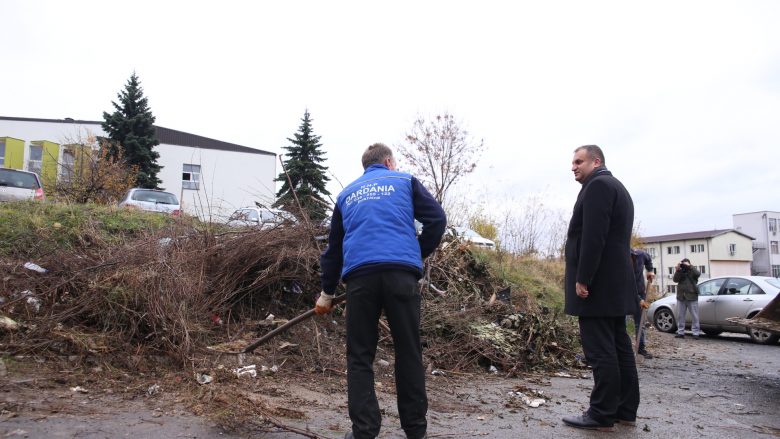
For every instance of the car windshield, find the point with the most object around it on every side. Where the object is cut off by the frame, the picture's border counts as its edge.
(155, 197)
(12, 178)
(468, 233)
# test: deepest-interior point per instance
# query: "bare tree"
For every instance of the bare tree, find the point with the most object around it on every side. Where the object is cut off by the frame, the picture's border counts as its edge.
(440, 152)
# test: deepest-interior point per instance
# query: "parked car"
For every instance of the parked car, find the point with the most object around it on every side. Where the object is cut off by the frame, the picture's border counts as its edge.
(471, 237)
(152, 200)
(719, 299)
(16, 185)
(263, 217)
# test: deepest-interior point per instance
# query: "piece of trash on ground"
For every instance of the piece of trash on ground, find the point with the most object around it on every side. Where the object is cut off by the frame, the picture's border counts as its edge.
(563, 375)
(492, 369)
(153, 389)
(383, 363)
(250, 370)
(8, 324)
(437, 372)
(203, 378)
(287, 344)
(35, 267)
(79, 389)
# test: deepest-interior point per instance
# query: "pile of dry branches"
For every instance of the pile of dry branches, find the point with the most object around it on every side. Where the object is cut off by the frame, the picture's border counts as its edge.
(176, 291)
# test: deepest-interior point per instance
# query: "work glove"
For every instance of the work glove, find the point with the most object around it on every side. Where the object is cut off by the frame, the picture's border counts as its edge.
(324, 303)
(643, 304)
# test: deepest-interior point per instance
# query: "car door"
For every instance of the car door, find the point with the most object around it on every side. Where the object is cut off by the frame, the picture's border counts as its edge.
(734, 300)
(708, 299)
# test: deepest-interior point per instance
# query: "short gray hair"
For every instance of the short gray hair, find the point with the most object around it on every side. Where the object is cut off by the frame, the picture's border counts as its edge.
(376, 154)
(594, 152)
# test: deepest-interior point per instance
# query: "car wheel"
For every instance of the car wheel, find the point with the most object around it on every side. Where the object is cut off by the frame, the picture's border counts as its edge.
(712, 332)
(763, 337)
(663, 319)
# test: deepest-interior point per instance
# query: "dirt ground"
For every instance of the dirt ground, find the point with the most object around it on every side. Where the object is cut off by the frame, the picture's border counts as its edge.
(721, 387)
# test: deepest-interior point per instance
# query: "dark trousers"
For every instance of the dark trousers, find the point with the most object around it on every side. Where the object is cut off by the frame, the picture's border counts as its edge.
(607, 348)
(397, 293)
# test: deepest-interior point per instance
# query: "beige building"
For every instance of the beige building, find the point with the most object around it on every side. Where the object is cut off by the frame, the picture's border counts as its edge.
(714, 252)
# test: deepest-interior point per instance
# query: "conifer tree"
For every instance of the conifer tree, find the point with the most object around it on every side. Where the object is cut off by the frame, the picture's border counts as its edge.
(308, 177)
(131, 127)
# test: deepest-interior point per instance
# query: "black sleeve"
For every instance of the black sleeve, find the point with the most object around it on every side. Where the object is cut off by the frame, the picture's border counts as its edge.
(597, 203)
(648, 263)
(332, 258)
(430, 213)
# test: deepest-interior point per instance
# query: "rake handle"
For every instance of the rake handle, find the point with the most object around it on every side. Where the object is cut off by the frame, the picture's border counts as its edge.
(288, 325)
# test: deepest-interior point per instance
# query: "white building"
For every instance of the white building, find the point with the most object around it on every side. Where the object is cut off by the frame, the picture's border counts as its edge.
(211, 177)
(714, 253)
(766, 254)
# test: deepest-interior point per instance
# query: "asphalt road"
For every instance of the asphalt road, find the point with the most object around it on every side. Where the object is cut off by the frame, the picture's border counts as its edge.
(722, 387)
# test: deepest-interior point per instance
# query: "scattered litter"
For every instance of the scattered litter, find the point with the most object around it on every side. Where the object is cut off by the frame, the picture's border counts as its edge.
(8, 323)
(17, 432)
(31, 299)
(480, 418)
(265, 370)
(216, 319)
(492, 369)
(203, 378)
(270, 317)
(164, 242)
(287, 344)
(383, 363)
(529, 401)
(437, 372)
(35, 267)
(250, 370)
(79, 389)
(153, 389)
(563, 375)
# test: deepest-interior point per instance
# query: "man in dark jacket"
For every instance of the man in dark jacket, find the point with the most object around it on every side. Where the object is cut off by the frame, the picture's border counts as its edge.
(601, 290)
(374, 249)
(687, 276)
(642, 262)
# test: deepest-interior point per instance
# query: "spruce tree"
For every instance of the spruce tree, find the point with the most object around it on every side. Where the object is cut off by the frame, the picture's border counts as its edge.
(308, 177)
(131, 127)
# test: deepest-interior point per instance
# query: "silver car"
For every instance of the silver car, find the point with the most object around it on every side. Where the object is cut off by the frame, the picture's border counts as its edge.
(16, 185)
(262, 217)
(719, 299)
(152, 200)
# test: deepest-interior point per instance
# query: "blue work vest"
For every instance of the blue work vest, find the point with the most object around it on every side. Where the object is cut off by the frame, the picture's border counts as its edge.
(378, 216)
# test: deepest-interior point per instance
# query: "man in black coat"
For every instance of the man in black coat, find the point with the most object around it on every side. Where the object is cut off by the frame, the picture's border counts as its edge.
(601, 290)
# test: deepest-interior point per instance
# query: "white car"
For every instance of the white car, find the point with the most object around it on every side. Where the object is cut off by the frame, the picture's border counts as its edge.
(16, 185)
(262, 217)
(472, 238)
(719, 299)
(152, 200)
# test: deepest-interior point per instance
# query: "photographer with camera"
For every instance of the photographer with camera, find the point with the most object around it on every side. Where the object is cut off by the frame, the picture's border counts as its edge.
(687, 276)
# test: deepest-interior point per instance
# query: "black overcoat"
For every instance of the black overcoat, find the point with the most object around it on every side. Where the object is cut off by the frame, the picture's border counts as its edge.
(598, 249)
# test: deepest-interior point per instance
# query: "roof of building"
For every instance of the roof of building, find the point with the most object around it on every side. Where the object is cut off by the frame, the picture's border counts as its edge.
(691, 235)
(164, 135)
(753, 213)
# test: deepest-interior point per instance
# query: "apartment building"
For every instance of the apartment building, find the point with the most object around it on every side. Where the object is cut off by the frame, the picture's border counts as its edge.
(713, 252)
(766, 247)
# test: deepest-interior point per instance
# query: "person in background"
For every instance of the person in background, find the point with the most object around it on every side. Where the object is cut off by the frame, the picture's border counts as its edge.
(373, 247)
(642, 262)
(687, 278)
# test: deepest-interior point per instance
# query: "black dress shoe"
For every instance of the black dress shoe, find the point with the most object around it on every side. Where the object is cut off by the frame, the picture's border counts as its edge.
(644, 353)
(626, 422)
(679, 336)
(588, 423)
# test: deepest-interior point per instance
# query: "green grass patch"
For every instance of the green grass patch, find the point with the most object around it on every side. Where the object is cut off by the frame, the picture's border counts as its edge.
(541, 279)
(34, 229)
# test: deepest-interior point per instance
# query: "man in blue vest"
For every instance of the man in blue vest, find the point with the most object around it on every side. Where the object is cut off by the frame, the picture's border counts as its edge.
(373, 247)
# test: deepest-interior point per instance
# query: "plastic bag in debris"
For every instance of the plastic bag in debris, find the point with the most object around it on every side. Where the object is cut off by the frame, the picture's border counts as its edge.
(35, 267)
(250, 370)
(203, 378)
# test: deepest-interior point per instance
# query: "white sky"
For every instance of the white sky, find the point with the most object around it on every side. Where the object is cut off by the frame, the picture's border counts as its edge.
(683, 96)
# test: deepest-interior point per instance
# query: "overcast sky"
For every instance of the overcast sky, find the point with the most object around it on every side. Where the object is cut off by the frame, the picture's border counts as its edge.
(683, 96)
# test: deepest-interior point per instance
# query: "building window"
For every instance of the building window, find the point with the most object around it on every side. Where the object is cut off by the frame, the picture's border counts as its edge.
(697, 248)
(671, 270)
(732, 249)
(2, 153)
(701, 269)
(776, 270)
(67, 165)
(36, 157)
(671, 288)
(773, 247)
(190, 177)
(773, 225)
(650, 251)
(673, 250)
